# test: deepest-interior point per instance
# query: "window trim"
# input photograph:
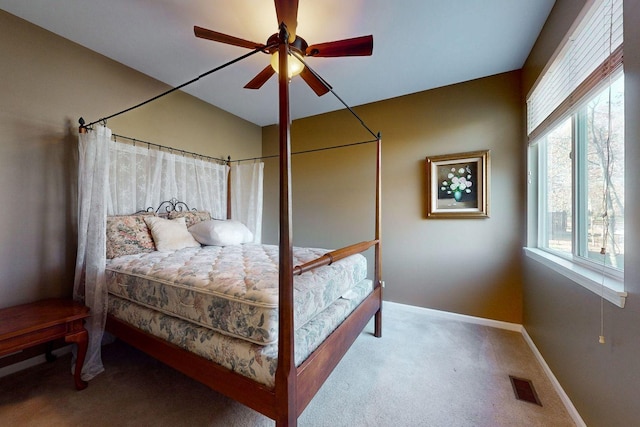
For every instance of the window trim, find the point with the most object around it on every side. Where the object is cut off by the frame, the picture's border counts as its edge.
(609, 288)
(606, 282)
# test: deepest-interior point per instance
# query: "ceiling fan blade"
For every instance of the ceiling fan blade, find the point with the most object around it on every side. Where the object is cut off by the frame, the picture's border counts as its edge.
(314, 82)
(357, 46)
(261, 78)
(287, 12)
(203, 33)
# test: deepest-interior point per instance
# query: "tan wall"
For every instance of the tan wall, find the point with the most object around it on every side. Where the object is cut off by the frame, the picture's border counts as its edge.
(469, 266)
(47, 83)
(563, 318)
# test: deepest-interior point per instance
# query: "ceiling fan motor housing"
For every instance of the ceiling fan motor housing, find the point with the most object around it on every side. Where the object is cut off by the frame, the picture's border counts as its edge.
(299, 45)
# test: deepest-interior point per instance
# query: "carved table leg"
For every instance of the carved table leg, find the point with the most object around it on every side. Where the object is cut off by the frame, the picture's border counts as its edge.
(81, 339)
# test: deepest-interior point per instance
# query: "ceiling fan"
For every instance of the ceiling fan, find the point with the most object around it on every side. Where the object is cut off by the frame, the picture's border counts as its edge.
(287, 13)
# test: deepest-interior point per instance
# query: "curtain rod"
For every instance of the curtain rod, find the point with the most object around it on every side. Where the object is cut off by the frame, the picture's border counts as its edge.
(171, 149)
(228, 159)
(309, 151)
(240, 58)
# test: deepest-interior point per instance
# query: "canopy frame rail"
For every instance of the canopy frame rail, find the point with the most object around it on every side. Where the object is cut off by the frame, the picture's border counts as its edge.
(167, 92)
(84, 126)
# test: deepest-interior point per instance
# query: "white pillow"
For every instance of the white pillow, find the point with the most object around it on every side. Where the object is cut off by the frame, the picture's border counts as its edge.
(216, 232)
(170, 234)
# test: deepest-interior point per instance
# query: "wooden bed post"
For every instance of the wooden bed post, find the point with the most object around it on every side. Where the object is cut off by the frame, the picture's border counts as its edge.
(229, 188)
(286, 375)
(378, 249)
(294, 387)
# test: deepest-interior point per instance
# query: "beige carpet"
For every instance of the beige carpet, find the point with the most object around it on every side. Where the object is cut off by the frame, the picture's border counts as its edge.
(424, 371)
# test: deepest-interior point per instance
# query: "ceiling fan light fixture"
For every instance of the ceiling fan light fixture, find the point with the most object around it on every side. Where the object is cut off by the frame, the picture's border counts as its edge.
(295, 65)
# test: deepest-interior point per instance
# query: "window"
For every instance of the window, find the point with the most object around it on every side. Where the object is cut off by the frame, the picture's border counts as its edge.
(581, 192)
(556, 191)
(576, 155)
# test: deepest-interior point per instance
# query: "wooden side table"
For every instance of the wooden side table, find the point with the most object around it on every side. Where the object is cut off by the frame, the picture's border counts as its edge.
(26, 325)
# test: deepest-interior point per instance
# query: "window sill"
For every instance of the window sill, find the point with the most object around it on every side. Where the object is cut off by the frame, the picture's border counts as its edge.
(612, 291)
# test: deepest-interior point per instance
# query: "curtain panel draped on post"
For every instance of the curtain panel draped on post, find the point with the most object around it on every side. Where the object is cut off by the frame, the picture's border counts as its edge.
(117, 178)
(89, 282)
(247, 195)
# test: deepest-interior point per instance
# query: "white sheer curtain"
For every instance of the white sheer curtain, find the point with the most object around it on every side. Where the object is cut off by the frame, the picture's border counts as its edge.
(142, 176)
(246, 196)
(121, 178)
(89, 283)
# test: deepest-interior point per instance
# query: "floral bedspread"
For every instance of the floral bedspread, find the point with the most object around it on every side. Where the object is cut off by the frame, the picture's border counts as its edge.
(254, 361)
(231, 289)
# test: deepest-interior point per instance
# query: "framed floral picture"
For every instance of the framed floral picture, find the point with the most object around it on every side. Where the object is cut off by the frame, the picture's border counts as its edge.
(458, 185)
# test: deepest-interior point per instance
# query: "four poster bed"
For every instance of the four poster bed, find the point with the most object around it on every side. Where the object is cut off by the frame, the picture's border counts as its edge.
(264, 325)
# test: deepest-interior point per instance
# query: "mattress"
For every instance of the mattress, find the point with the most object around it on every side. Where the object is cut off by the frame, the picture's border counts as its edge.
(232, 289)
(257, 362)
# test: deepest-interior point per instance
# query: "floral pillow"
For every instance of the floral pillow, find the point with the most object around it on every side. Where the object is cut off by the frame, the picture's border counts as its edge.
(190, 217)
(128, 235)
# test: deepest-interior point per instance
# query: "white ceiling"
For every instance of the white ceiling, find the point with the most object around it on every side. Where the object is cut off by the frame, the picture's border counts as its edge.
(418, 44)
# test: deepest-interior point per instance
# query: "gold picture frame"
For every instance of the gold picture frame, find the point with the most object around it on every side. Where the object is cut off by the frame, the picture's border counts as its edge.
(458, 185)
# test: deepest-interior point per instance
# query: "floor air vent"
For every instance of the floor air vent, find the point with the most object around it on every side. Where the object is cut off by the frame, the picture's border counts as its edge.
(524, 390)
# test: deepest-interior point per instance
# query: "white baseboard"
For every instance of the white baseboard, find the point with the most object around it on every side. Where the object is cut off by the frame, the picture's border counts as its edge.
(573, 412)
(37, 360)
(516, 327)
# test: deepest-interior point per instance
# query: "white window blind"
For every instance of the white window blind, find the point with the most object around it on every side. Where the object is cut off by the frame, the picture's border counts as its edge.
(591, 52)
